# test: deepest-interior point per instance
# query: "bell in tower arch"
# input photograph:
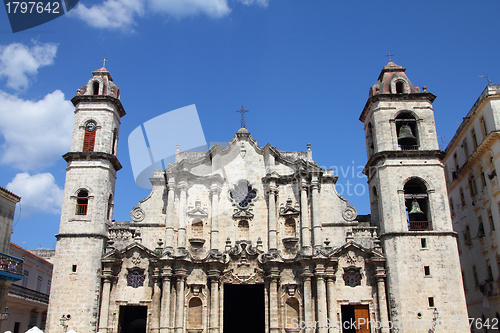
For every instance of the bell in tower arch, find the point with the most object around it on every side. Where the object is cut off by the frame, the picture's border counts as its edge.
(406, 137)
(415, 209)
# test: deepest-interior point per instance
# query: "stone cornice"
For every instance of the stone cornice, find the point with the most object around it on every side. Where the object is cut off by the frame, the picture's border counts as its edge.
(418, 233)
(395, 97)
(99, 98)
(81, 234)
(403, 154)
(88, 156)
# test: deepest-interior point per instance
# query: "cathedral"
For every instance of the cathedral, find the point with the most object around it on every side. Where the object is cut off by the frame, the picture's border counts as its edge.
(246, 238)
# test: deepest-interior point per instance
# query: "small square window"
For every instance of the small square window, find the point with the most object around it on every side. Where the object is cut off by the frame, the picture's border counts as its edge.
(427, 270)
(431, 302)
(73, 268)
(423, 243)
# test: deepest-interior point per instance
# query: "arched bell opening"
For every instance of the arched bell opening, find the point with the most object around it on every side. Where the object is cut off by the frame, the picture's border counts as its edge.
(417, 205)
(407, 132)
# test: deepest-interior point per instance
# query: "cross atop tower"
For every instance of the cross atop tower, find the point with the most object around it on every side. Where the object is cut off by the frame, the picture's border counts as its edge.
(389, 55)
(242, 111)
(104, 61)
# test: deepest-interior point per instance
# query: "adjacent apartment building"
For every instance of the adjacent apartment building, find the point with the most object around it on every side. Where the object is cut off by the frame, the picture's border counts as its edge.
(472, 160)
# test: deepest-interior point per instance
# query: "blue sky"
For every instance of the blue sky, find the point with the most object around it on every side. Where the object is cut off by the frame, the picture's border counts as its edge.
(302, 67)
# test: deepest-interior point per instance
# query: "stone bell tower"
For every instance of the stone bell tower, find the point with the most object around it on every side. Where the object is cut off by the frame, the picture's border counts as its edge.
(87, 205)
(409, 204)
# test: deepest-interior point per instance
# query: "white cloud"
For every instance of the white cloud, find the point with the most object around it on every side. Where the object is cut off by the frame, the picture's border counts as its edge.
(19, 62)
(121, 14)
(35, 133)
(39, 193)
(111, 14)
(184, 8)
(262, 3)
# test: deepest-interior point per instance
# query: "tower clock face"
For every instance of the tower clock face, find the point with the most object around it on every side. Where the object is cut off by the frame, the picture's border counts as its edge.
(91, 126)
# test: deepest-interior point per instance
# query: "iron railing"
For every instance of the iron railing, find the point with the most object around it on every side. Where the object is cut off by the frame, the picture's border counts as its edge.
(11, 264)
(419, 225)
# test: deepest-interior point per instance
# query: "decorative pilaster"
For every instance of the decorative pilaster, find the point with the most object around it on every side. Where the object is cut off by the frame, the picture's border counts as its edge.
(304, 215)
(156, 305)
(181, 241)
(316, 211)
(169, 225)
(308, 306)
(103, 317)
(214, 234)
(180, 274)
(214, 276)
(331, 301)
(382, 300)
(165, 301)
(322, 314)
(273, 277)
(272, 191)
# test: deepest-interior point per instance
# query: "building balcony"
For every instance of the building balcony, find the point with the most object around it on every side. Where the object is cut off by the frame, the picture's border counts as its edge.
(419, 225)
(29, 294)
(11, 268)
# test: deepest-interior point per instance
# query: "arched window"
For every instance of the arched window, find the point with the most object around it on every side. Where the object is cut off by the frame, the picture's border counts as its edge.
(89, 137)
(95, 88)
(82, 202)
(462, 198)
(290, 227)
(417, 205)
(370, 144)
(115, 137)
(452, 207)
(110, 206)
(472, 187)
(243, 229)
(406, 130)
(400, 87)
(197, 229)
(195, 313)
(292, 312)
(484, 130)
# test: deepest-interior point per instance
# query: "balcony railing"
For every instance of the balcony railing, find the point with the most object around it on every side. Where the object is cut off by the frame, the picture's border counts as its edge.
(419, 225)
(11, 268)
(81, 209)
(30, 294)
(409, 147)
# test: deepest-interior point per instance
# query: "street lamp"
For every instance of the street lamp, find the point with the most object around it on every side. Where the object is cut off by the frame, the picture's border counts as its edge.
(5, 314)
(63, 321)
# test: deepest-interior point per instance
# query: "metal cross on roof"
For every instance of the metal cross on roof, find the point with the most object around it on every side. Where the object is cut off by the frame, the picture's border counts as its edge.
(389, 55)
(242, 111)
(104, 62)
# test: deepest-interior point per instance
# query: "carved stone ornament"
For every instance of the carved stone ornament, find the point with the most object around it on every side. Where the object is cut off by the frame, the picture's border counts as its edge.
(198, 211)
(136, 258)
(350, 213)
(137, 214)
(351, 258)
(289, 210)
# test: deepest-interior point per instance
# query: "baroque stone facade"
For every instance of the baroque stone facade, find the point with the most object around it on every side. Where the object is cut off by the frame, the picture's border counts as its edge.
(246, 238)
(472, 158)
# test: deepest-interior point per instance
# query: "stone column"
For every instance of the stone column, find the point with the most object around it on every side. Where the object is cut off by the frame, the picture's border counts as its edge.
(103, 317)
(308, 308)
(179, 304)
(214, 276)
(316, 211)
(305, 226)
(272, 190)
(321, 308)
(156, 305)
(165, 302)
(214, 234)
(382, 300)
(169, 226)
(331, 301)
(273, 300)
(181, 241)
